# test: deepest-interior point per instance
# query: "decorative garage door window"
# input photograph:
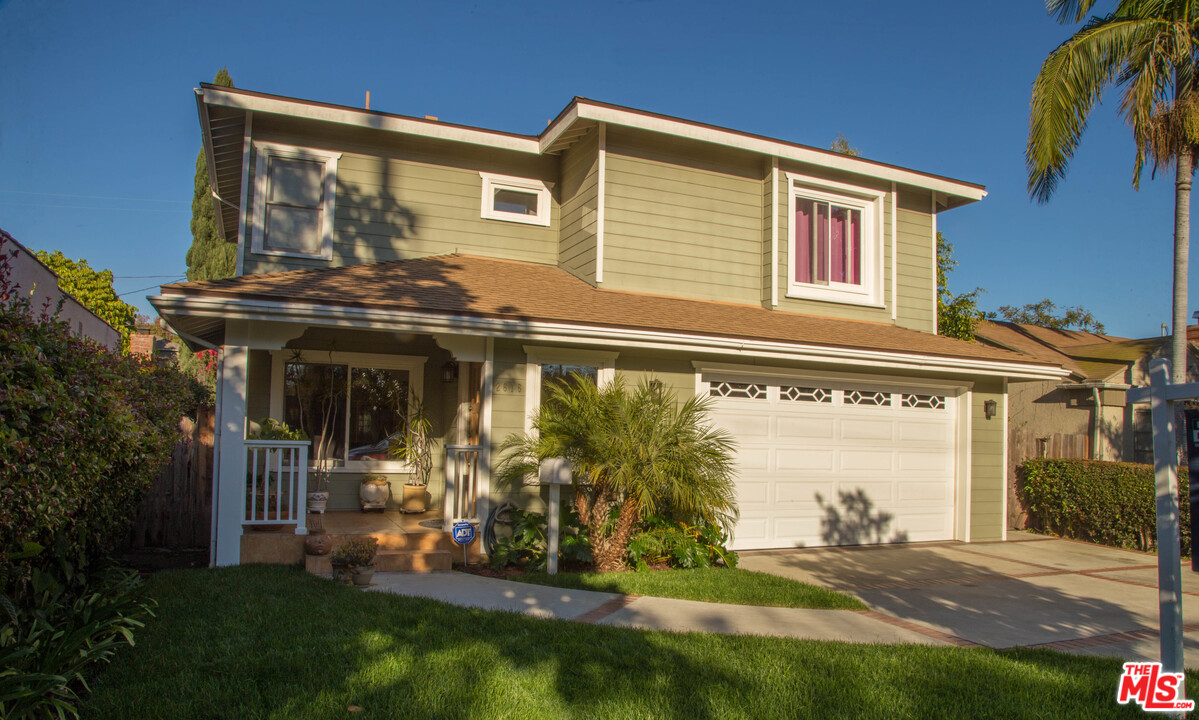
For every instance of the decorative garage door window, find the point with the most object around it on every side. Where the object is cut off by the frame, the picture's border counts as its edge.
(750, 391)
(932, 402)
(857, 397)
(805, 394)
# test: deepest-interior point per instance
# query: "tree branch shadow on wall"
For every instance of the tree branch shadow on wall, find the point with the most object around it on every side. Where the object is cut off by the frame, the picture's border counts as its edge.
(854, 521)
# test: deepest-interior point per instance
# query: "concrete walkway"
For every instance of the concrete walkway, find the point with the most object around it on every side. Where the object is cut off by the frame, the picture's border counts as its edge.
(1030, 591)
(646, 612)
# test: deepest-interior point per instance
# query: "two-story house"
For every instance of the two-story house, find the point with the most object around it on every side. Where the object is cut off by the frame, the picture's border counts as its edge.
(383, 256)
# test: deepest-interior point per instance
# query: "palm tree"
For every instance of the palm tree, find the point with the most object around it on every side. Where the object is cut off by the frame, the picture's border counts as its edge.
(1147, 47)
(635, 453)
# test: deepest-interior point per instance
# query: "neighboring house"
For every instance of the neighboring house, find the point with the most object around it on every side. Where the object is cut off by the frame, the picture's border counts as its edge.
(1083, 415)
(382, 257)
(40, 284)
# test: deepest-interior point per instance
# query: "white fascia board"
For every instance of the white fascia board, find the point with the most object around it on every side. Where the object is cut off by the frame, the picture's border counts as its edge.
(764, 146)
(410, 321)
(559, 126)
(367, 119)
(206, 141)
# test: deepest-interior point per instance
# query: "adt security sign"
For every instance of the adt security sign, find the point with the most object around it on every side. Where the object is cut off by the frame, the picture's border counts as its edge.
(464, 533)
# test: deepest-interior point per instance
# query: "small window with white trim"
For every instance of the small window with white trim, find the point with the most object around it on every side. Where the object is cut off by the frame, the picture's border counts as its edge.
(294, 192)
(834, 241)
(549, 364)
(515, 199)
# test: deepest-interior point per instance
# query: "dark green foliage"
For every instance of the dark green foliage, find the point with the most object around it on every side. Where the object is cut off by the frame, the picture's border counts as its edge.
(93, 290)
(1104, 502)
(65, 621)
(680, 545)
(1044, 314)
(209, 257)
(957, 315)
(528, 546)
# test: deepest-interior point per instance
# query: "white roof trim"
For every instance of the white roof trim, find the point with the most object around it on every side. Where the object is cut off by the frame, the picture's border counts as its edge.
(366, 119)
(765, 146)
(340, 316)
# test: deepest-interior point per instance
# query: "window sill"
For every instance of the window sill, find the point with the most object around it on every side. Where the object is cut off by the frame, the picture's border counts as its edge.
(839, 298)
(283, 253)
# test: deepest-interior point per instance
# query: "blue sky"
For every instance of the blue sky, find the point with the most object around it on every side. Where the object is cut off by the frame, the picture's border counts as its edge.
(99, 134)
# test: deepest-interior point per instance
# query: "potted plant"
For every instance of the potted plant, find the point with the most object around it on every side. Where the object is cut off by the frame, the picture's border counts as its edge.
(318, 486)
(354, 560)
(415, 447)
(373, 492)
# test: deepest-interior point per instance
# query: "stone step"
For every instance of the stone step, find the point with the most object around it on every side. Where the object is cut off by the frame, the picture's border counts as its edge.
(391, 561)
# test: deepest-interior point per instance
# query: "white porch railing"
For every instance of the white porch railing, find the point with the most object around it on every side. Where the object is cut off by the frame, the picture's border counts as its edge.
(276, 483)
(462, 483)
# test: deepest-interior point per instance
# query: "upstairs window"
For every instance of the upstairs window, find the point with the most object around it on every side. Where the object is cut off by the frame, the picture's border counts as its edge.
(294, 191)
(515, 199)
(834, 242)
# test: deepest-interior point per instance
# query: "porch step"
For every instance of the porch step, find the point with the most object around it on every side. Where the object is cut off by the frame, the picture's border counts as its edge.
(391, 561)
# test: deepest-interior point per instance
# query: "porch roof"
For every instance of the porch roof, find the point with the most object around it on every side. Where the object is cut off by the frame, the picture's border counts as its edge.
(524, 294)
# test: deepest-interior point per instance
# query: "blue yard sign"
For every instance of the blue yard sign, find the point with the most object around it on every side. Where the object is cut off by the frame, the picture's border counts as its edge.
(464, 533)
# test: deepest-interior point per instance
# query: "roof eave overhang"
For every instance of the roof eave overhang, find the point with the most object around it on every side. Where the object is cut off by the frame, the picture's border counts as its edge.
(182, 307)
(951, 193)
(210, 162)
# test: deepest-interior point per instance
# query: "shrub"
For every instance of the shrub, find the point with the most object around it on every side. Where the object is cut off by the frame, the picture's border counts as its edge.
(529, 547)
(1104, 502)
(356, 552)
(680, 545)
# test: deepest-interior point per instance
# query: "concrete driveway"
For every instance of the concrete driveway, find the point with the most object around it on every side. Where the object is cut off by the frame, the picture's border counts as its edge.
(1028, 591)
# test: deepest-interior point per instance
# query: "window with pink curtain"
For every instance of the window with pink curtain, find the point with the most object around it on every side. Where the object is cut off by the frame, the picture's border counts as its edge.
(804, 221)
(828, 243)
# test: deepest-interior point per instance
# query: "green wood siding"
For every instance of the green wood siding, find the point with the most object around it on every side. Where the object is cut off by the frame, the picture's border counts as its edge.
(404, 196)
(681, 223)
(986, 464)
(580, 204)
(916, 257)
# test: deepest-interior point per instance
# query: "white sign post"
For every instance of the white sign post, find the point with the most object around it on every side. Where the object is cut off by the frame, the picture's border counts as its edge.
(1161, 396)
(554, 472)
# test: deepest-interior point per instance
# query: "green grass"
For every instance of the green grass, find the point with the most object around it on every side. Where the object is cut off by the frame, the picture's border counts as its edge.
(274, 642)
(720, 585)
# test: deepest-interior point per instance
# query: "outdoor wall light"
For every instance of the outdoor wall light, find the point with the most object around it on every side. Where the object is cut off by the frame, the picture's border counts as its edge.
(990, 409)
(449, 372)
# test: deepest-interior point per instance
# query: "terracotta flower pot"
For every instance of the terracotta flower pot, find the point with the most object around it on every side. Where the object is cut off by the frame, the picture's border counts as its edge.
(318, 543)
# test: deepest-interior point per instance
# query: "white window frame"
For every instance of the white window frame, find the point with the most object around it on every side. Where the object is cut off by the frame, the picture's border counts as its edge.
(536, 356)
(870, 203)
(264, 151)
(492, 183)
(415, 365)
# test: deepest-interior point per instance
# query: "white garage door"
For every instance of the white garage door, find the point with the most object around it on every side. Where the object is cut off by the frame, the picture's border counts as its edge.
(834, 463)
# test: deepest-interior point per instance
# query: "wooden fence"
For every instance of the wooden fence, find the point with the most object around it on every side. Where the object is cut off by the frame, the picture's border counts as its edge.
(1025, 444)
(176, 511)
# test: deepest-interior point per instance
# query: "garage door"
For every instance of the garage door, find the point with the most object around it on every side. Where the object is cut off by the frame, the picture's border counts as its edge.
(832, 463)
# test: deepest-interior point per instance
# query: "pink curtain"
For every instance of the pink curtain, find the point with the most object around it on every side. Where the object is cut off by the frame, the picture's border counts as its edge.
(803, 240)
(839, 245)
(855, 247)
(822, 242)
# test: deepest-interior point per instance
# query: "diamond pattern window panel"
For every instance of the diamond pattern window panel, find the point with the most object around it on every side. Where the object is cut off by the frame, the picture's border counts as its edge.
(806, 394)
(749, 391)
(858, 397)
(932, 402)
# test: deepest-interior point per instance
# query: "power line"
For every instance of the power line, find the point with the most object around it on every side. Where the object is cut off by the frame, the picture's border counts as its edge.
(142, 277)
(130, 292)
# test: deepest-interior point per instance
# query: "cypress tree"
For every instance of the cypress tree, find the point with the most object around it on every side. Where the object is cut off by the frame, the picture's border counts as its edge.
(209, 257)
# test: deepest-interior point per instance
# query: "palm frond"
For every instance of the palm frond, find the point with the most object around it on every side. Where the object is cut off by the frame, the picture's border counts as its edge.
(1069, 84)
(1068, 12)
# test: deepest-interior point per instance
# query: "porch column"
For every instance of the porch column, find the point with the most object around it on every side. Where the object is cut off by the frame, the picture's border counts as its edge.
(230, 473)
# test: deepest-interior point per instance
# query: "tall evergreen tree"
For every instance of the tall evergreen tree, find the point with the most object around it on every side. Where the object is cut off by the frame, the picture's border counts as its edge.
(209, 257)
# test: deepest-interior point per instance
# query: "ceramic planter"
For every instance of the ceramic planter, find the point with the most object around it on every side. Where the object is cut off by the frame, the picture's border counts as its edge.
(373, 494)
(414, 499)
(318, 500)
(362, 575)
(318, 543)
(343, 574)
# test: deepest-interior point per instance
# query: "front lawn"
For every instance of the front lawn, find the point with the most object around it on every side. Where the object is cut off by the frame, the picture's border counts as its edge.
(275, 642)
(720, 585)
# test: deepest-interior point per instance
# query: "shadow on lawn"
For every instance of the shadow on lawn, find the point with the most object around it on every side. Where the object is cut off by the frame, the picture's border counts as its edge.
(275, 642)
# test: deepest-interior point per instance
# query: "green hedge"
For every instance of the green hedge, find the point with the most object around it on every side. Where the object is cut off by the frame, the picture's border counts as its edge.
(1104, 502)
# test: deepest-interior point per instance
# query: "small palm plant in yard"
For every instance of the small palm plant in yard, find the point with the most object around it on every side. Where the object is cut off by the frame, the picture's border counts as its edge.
(636, 453)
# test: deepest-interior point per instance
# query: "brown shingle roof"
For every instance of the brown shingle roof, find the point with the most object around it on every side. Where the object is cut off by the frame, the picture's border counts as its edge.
(1089, 356)
(486, 287)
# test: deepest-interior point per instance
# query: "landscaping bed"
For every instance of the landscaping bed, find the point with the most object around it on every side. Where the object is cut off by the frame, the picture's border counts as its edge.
(276, 642)
(714, 584)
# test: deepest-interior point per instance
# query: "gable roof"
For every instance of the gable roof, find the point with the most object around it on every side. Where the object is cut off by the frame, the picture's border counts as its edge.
(523, 296)
(1088, 356)
(223, 124)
